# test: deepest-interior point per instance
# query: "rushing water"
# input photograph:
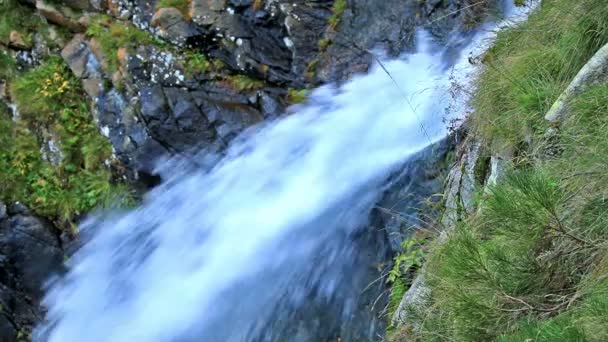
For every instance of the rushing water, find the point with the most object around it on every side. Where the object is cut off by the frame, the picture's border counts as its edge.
(214, 253)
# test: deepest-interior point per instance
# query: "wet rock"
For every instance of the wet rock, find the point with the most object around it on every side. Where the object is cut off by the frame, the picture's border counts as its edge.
(404, 207)
(30, 252)
(364, 25)
(174, 27)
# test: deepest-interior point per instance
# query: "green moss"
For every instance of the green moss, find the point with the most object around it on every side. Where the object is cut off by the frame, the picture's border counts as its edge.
(182, 5)
(311, 69)
(324, 44)
(295, 96)
(196, 63)
(50, 99)
(337, 10)
(113, 35)
(242, 83)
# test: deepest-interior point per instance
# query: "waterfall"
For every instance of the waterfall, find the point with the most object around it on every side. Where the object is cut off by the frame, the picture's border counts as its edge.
(217, 250)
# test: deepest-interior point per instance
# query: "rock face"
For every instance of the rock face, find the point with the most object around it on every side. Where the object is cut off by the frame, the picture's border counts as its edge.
(30, 251)
(474, 169)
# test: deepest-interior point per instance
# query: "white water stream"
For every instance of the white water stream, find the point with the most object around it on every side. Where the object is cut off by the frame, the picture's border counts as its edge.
(210, 254)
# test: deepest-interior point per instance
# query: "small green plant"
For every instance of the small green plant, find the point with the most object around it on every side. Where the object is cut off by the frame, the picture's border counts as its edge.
(324, 44)
(182, 5)
(412, 256)
(196, 63)
(243, 83)
(337, 10)
(311, 69)
(295, 96)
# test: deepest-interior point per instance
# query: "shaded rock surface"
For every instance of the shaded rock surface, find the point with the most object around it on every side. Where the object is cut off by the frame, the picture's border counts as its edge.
(30, 251)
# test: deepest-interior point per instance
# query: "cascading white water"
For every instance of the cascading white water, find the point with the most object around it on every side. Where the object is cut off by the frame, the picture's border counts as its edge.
(211, 254)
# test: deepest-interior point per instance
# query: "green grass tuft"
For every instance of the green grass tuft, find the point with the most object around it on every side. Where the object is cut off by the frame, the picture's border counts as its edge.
(531, 264)
(530, 65)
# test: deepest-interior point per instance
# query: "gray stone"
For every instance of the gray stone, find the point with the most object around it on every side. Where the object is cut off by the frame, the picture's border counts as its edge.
(173, 26)
(206, 12)
(60, 15)
(84, 64)
(415, 297)
(595, 71)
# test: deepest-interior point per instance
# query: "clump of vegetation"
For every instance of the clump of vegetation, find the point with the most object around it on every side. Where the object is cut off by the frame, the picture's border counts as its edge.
(17, 17)
(182, 5)
(531, 263)
(324, 44)
(404, 265)
(258, 5)
(295, 96)
(196, 63)
(531, 65)
(242, 83)
(7, 66)
(50, 100)
(337, 10)
(113, 35)
(311, 69)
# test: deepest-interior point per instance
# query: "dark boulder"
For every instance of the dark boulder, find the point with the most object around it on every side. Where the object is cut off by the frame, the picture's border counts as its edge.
(30, 251)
